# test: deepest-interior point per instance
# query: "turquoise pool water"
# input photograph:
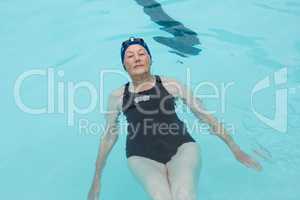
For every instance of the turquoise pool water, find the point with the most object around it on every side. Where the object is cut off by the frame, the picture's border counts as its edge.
(49, 48)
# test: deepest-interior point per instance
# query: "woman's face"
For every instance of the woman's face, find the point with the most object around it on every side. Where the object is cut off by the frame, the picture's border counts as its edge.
(136, 60)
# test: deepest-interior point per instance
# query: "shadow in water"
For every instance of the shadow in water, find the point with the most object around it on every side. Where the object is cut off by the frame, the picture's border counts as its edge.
(184, 39)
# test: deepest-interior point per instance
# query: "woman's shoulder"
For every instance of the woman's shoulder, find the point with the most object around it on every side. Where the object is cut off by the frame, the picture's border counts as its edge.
(169, 80)
(116, 97)
(118, 92)
(171, 84)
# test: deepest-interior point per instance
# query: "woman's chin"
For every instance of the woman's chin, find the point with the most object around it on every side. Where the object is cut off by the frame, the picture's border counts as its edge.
(138, 71)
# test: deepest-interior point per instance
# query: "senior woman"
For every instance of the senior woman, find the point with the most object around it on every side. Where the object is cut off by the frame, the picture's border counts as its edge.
(161, 154)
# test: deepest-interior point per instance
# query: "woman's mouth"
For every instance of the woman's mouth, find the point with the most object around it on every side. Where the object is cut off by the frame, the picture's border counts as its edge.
(138, 66)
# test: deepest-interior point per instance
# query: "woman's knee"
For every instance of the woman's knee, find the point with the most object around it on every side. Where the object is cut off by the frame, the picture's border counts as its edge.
(183, 193)
(161, 195)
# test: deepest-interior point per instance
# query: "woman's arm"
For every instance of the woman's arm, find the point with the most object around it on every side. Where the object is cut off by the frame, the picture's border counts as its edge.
(107, 142)
(186, 95)
(110, 134)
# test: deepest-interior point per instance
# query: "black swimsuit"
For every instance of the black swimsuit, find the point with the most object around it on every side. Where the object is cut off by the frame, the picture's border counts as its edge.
(154, 129)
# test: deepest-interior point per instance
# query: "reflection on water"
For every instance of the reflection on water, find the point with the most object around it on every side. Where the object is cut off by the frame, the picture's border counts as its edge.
(183, 40)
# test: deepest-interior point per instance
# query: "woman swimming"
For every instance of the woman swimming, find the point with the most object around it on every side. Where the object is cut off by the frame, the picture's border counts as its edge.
(160, 152)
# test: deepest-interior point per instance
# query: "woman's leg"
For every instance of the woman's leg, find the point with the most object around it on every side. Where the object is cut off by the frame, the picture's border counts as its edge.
(184, 170)
(152, 175)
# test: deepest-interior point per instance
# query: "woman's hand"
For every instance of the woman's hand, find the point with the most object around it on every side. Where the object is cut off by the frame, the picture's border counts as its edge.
(95, 189)
(246, 160)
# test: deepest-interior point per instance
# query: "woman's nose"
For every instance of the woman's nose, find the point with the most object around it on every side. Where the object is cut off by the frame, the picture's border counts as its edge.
(136, 57)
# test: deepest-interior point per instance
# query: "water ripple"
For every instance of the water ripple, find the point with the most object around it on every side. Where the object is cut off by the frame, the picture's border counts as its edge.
(281, 10)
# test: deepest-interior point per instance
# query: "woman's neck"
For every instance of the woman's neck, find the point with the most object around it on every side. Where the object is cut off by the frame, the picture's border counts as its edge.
(142, 79)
